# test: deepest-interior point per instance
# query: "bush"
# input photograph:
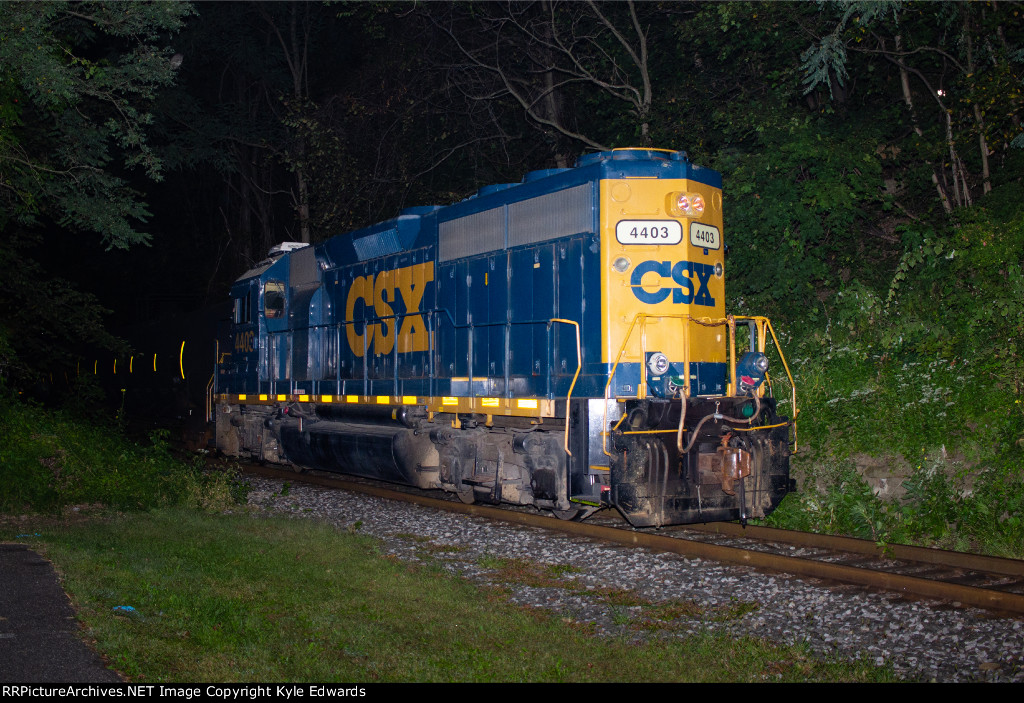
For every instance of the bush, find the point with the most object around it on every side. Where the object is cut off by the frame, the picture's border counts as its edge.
(52, 459)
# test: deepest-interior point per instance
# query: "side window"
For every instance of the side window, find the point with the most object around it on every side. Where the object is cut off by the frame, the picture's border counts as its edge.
(273, 299)
(243, 314)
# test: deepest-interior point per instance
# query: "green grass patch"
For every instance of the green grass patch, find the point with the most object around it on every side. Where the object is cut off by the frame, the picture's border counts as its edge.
(52, 459)
(238, 598)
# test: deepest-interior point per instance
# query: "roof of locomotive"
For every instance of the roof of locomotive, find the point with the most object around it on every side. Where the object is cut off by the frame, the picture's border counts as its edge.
(404, 232)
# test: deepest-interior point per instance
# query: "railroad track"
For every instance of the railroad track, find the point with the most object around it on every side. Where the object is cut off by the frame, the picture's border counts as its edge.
(956, 578)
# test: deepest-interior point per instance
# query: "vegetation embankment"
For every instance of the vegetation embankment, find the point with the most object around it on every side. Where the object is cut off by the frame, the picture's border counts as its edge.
(912, 392)
(52, 459)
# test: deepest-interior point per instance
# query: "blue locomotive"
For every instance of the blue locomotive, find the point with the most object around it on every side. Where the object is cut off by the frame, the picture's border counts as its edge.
(560, 342)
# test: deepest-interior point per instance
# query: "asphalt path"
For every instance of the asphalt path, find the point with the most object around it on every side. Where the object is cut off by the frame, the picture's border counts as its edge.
(40, 640)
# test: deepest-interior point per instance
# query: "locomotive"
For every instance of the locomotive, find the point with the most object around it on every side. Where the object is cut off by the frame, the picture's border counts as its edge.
(560, 342)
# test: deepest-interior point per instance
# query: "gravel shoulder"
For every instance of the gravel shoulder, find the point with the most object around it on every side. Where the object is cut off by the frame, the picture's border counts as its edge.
(921, 642)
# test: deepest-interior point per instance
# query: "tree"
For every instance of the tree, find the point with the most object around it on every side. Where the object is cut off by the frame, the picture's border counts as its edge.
(959, 71)
(77, 81)
(547, 56)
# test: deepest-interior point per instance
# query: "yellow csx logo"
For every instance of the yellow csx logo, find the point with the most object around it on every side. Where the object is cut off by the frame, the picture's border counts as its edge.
(377, 294)
(245, 341)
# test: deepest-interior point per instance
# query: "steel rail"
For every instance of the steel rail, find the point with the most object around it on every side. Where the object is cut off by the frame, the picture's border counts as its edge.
(797, 566)
(926, 555)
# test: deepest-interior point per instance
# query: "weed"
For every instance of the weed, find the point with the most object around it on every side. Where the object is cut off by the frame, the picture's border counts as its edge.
(529, 573)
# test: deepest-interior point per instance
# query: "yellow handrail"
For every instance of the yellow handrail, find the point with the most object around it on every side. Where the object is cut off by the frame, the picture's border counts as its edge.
(579, 365)
(763, 323)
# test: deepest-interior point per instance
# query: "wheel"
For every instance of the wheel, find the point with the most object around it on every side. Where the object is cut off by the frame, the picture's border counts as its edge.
(570, 514)
(467, 496)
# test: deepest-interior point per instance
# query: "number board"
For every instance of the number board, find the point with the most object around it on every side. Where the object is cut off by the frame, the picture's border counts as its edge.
(648, 232)
(705, 236)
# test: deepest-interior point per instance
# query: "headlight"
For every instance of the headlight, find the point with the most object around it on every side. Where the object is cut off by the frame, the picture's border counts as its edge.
(657, 363)
(621, 264)
(685, 204)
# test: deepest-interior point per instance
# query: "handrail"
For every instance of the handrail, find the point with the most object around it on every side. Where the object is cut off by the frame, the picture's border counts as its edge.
(767, 324)
(579, 365)
(442, 313)
(209, 398)
(642, 318)
(763, 323)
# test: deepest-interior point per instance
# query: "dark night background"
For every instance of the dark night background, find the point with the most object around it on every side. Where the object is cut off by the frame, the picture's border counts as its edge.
(871, 151)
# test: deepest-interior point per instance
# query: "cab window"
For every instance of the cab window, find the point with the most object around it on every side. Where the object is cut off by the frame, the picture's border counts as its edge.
(243, 314)
(273, 299)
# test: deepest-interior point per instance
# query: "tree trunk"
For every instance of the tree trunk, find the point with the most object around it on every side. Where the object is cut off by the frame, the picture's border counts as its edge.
(978, 118)
(909, 100)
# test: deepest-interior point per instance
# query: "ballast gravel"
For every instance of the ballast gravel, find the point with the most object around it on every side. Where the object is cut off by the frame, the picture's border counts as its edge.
(921, 641)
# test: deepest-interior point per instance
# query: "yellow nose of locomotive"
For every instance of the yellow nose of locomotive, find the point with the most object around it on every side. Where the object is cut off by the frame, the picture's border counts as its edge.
(663, 275)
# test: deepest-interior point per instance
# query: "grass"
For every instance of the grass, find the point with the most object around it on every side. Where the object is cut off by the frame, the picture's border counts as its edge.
(52, 459)
(240, 598)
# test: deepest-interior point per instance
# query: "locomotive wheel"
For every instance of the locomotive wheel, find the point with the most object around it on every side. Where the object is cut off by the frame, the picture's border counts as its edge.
(298, 469)
(570, 514)
(467, 496)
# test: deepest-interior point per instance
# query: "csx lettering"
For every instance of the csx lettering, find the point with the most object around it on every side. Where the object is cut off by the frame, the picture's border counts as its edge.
(245, 342)
(682, 272)
(377, 294)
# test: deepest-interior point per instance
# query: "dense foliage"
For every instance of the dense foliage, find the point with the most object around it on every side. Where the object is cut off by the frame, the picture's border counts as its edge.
(77, 84)
(872, 155)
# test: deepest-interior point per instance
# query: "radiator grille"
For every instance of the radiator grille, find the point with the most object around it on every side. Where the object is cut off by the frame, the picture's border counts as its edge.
(472, 234)
(551, 216)
(561, 214)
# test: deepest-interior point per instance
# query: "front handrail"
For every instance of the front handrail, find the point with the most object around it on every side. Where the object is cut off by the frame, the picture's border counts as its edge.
(765, 323)
(762, 323)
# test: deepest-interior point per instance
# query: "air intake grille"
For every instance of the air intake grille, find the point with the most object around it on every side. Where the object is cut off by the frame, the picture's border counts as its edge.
(472, 234)
(376, 245)
(551, 216)
(561, 214)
